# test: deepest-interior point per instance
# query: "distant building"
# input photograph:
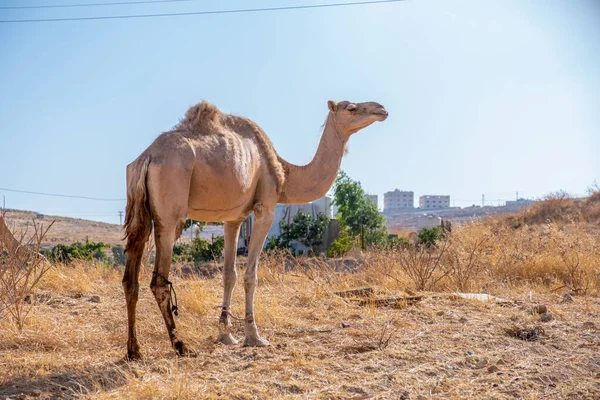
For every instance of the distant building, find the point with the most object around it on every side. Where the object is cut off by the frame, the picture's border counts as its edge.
(518, 202)
(373, 199)
(398, 200)
(430, 202)
(286, 213)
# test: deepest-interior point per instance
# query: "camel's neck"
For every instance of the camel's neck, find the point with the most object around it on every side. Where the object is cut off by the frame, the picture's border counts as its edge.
(310, 182)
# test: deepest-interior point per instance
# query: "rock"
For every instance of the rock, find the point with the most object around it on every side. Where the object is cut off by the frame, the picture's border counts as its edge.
(541, 309)
(463, 320)
(344, 325)
(492, 368)
(480, 364)
(500, 362)
(567, 298)
(546, 317)
(588, 325)
(440, 313)
(95, 299)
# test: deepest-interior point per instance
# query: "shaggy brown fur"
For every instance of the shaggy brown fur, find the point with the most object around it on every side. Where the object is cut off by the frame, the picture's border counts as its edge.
(198, 116)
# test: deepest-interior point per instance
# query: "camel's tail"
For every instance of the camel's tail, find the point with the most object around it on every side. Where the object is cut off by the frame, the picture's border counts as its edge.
(138, 219)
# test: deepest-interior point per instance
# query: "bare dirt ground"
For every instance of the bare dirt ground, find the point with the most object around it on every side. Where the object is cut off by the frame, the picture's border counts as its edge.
(322, 346)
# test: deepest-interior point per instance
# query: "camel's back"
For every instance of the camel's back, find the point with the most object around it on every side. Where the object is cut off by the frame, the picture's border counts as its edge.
(214, 132)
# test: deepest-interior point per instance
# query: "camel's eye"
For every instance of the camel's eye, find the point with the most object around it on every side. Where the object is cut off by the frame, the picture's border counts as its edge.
(351, 107)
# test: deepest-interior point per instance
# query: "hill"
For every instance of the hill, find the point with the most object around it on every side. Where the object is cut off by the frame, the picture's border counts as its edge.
(68, 230)
(65, 230)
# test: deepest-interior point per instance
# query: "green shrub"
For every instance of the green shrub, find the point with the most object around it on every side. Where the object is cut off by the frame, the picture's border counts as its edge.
(342, 245)
(78, 251)
(430, 237)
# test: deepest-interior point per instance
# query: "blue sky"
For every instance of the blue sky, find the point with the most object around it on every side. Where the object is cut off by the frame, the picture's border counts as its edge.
(484, 96)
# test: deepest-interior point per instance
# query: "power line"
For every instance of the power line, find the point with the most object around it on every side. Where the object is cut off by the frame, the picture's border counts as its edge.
(60, 195)
(234, 11)
(120, 3)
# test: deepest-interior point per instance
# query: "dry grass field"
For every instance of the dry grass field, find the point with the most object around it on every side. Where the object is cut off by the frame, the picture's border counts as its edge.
(324, 346)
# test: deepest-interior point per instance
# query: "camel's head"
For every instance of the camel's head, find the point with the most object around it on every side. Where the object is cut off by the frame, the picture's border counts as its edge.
(352, 117)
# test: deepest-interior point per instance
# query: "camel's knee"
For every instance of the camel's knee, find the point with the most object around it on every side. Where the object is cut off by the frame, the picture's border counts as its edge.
(158, 289)
(250, 281)
(230, 278)
(131, 288)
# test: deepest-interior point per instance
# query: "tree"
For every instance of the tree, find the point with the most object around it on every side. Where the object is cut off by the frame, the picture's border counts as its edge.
(308, 230)
(304, 229)
(357, 213)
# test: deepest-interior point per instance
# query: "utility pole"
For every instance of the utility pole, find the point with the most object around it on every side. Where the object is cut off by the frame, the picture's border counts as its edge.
(3, 202)
(517, 196)
(120, 217)
(483, 200)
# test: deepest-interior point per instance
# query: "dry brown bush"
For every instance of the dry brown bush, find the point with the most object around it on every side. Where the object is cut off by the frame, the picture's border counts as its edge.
(21, 268)
(421, 264)
(467, 255)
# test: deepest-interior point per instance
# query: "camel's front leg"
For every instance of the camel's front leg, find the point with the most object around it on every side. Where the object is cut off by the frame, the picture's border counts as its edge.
(262, 224)
(232, 231)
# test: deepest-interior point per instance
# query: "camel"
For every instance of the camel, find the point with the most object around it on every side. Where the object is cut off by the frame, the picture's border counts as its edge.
(218, 167)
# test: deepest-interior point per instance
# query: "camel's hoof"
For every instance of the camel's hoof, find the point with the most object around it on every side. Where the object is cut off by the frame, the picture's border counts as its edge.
(133, 355)
(227, 339)
(183, 350)
(256, 341)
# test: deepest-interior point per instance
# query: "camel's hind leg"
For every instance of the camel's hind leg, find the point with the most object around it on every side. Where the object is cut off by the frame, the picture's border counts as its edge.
(168, 189)
(232, 231)
(165, 237)
(131, 287)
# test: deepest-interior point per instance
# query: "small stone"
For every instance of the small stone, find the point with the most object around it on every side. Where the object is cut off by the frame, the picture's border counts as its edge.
(344, 325)
(588, 325)
(500, 362)
(546, 317)
(481, 364)
(541, 309)
(492, 368)
(463, 320)
(439, 313)
(95, 299)
(470, 354)
(567, 298)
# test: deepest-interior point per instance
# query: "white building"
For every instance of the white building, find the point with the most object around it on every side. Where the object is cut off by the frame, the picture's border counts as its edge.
(430, 202)
(286, 212)
(398, 200)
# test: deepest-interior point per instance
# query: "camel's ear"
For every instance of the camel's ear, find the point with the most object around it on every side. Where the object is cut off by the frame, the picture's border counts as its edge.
(332, 105)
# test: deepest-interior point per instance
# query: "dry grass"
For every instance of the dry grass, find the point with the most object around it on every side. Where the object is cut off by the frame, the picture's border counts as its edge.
(326, 346)
(323, 346)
